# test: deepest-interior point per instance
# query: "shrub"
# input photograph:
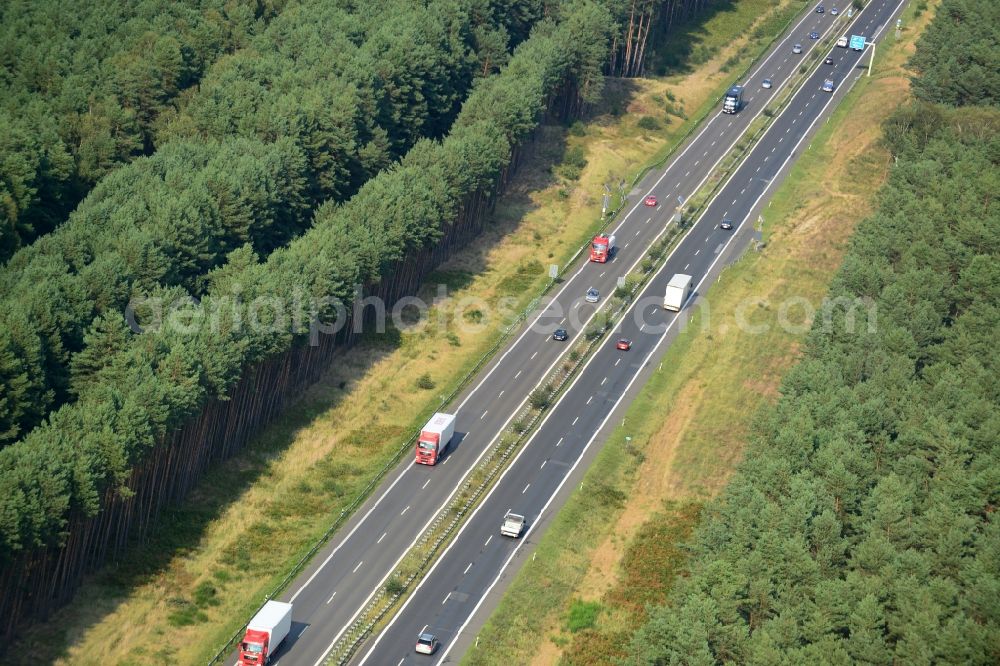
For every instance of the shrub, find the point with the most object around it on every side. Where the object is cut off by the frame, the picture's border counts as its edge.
(648, 123)
(582, 615)
(394, 586)
(541, 397)
(425, 382)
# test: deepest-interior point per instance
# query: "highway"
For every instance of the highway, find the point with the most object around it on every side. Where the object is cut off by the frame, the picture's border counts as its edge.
(446, 600)
(355, 564)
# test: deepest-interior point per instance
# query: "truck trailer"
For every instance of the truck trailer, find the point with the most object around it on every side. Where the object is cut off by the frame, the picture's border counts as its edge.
(601, 248)
(264, 634)
(733, 101)
(435, 438)
(678, 291)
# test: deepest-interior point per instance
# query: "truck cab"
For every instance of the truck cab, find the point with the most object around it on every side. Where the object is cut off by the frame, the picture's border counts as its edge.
(601, 248)
(733, 101)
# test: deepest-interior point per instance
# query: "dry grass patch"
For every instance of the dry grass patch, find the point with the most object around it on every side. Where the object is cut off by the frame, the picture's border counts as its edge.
(717, 376)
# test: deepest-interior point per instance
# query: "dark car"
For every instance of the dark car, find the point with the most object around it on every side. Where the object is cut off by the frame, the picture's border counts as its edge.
(813, 35)
(828, 60)
(820, 9)
(560, 334)
(828, 86)
(726, 224)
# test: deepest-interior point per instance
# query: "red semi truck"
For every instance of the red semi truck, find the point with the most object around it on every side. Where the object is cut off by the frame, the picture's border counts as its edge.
(602, 247)
(434, 438)
(264, 634)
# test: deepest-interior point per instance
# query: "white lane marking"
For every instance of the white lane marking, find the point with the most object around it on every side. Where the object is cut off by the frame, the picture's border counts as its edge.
(696, 252)
(421, 487)
(358, 567)
(382, 537)
(625, 246)
(526, 489)
(446, 599)
(560, 441)
(604, 380)
(331, 597)
(500, 395)
(405, 510)
(520, 371)
(484, 415)
(575, 420)
(686, 267)
(531, 359)
(575, 306)
(618, 361)
(488, 539)
(697, 163)
(687, 174)
(543, 464)
(467, 569)
(677, 159)
(589, 399)
(602, 274)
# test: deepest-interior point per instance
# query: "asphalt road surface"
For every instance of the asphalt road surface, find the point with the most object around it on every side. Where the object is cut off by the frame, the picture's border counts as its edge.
(343, 577)
(450, 594)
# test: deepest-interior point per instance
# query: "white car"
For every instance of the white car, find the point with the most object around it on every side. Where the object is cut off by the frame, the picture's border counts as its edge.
(513, 525)
(842, 42)
(766, 83)
(834, 11)
(426, 644)
(797, 49)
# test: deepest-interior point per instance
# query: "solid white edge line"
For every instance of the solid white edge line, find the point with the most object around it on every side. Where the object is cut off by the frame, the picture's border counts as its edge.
(555, 297)
(627, 388)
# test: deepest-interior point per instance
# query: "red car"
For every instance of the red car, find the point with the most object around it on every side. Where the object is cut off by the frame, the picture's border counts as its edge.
(650, 200)
(624, 344)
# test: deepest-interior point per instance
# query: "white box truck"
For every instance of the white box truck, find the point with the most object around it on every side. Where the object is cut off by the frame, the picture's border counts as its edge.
(678, 291)
(265, 632)
(434, 438)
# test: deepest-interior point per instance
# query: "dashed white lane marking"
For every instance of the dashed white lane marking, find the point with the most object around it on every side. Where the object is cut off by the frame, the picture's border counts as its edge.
(520, 371)
(484, 415)
(488, 539)
(404, 510)
(603, 272)
(526, 489)
(543, 464)
(421, 487)
(500, 396)
(696, 252)
(687, 174)
(618, 361)
(686, 267)
(575, 420)
(358, 567)
(331, 597)
(604, 380)
(560, 441)
(384, 533)
(589, 399)
(467, 569)
(446, 599)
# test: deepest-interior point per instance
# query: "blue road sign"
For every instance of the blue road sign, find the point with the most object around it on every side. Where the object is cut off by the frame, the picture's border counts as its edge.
(858, 42)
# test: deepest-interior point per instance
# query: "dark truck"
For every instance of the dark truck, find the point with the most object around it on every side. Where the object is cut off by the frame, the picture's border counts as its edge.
(733, 101)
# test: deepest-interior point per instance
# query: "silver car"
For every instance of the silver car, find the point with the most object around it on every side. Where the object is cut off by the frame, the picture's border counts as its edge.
(766, 83)
(593, 295)
(797, 49)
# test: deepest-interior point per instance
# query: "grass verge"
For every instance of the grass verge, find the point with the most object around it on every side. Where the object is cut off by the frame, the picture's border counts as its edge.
(688, 424)
(212, 560)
